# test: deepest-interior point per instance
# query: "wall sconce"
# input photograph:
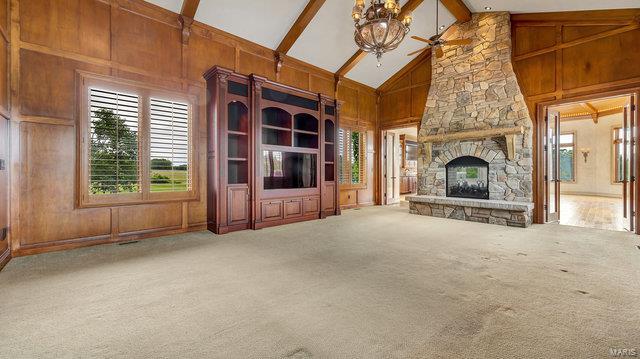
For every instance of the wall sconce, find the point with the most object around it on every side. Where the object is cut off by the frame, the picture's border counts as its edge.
(585, 153)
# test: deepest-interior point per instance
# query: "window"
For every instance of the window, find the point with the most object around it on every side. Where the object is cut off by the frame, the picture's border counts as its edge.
(169, 146)
(114, 143)
(619, 149)
(136, 143)
(352, 157)
(567, 157)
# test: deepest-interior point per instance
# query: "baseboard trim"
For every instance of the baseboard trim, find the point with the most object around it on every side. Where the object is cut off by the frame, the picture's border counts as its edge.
(98, 240)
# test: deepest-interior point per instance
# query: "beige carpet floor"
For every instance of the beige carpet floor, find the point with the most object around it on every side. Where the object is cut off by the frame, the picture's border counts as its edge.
(372, 283)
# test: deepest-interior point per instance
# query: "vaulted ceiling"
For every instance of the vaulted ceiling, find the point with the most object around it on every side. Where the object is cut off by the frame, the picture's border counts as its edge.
(327, 40)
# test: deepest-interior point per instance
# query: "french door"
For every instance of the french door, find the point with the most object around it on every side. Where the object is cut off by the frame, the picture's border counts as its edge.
(390, 168)
(552, 166)
(629, 164)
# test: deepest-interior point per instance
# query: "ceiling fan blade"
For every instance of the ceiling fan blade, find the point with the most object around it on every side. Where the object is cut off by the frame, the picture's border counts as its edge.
(417, 51)
(458, 42)
(422, 39)
(439, 52)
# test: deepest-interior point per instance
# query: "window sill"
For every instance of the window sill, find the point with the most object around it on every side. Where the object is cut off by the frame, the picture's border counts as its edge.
(154, 198)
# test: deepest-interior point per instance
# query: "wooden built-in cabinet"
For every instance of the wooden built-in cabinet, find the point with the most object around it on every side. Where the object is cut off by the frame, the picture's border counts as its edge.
(271, 153)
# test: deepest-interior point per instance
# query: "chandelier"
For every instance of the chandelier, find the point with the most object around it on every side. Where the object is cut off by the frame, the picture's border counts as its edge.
(380, 30)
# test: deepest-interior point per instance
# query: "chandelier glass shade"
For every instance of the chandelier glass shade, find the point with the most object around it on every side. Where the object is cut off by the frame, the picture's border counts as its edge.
(378, 30)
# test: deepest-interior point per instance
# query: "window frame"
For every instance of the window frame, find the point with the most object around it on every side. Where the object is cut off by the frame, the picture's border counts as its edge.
(575, 150)
(144, 92)
(362, 184)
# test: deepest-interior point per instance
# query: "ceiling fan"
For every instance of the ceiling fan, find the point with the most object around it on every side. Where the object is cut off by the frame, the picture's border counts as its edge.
(436, 41)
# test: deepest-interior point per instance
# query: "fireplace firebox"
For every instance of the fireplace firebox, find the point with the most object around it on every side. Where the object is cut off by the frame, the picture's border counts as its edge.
(467, 177)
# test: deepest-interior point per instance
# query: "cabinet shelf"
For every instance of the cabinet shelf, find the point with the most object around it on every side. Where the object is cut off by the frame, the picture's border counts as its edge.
(276, 128)
(236, 159)
(307, 132)
(237, 133)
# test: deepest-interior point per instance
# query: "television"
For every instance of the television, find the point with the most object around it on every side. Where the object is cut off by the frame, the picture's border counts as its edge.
(286, 170)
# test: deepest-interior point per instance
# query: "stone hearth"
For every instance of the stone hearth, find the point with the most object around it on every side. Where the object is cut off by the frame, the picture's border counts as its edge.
(474, 89)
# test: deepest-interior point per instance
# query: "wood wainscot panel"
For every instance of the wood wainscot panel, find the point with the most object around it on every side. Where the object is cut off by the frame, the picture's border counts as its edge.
(202, 52)
(570, 33)
(418, 101)
(137, 39)
(47, 84)
(82, 27)
(537, 74)
(323, 85)
(149, 218)
(4, 67)
(350, 97)
(348, 197)
(601, 61)
(294, 77)
(249, 63)
(48, 172)
(532, 38)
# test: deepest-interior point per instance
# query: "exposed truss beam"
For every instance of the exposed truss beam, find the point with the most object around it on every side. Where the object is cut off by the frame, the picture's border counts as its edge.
(458, 9)
(359, 55)
(189, 8)
(592, 111)
(298, 27)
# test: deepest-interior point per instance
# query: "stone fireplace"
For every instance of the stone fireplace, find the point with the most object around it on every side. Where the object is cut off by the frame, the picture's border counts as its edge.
(475, 140)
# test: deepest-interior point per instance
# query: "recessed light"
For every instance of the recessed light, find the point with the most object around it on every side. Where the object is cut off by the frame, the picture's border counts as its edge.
(487, 7)
(441, 27)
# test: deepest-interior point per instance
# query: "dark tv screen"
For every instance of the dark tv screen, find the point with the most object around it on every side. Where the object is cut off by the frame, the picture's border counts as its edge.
(284, 170)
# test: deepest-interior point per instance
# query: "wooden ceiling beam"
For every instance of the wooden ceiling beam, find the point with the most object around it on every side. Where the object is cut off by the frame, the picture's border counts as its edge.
(359, 55)
(189, 8)
(458, 9)
(298, 27)
(592, 110)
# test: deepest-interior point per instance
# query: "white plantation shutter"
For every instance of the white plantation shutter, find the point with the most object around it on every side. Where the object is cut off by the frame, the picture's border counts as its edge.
(169, 141)
(343, 163)
(348, 142)
(114, 166)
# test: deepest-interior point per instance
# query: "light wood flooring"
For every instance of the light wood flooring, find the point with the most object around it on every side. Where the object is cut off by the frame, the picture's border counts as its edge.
(592, 212)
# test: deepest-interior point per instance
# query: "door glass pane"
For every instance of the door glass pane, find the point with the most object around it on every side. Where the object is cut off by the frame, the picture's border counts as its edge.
(551, 165)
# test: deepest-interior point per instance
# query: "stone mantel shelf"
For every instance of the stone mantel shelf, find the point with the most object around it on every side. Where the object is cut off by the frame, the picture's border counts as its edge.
(509, 134)
(476, 203)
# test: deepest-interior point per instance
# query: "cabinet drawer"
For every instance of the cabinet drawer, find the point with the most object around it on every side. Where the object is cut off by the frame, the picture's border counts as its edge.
(310, 205)
(271, 210)
(292, 208)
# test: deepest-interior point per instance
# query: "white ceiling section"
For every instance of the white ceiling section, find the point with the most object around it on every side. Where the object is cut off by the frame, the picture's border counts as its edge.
(327, 42)
(424, 25)
(173, 5)
(263, 22)
(527, 6)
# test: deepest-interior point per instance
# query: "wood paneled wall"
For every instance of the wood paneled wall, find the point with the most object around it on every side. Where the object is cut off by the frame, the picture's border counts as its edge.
(571, 54)
(5, 115)
(132, 40)
(403, 97)
(359, 110)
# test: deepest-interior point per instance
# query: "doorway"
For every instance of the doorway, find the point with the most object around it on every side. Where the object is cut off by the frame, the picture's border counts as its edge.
(400, 164)
(590, 162)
